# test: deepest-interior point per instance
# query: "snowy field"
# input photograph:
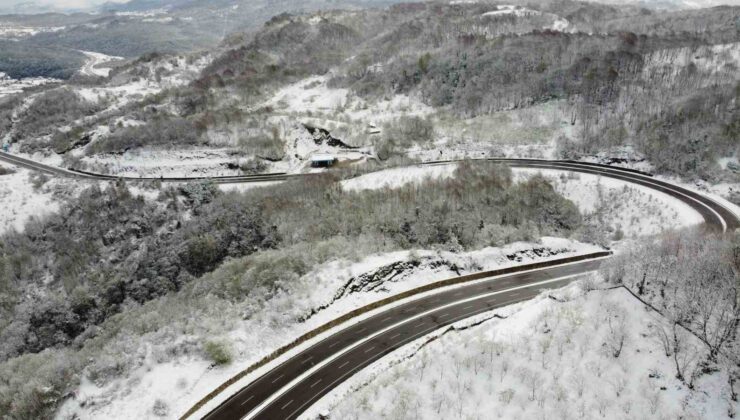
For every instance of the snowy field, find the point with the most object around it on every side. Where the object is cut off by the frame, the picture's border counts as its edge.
(9, 86)
(20, 201)
(312, 95)
(24, 196)
(95, 62)
(172, 71)
(397, 177)
(581, 355)
(327, 292)
(633, 209)
(169, 163)
(13, 31)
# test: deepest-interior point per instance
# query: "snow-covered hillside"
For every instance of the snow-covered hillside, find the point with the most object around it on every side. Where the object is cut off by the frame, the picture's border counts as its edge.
(570, 353)
(25, 195)
(253, 331)
(10, 86)
(95, 62)
(631, 209)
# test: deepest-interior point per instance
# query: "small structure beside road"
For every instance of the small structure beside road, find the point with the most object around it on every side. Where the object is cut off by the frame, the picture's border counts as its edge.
(322, 160)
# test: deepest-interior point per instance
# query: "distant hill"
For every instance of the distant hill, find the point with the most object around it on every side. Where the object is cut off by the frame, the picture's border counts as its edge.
(139, 27)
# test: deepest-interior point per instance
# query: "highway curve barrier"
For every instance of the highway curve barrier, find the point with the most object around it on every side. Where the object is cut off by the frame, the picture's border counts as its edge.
(380, 303)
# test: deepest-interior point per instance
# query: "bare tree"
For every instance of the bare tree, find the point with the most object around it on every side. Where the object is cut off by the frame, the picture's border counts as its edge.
(616, 319)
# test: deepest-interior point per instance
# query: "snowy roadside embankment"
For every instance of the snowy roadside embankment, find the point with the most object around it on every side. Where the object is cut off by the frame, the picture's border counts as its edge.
(177, 379)
(716, 192)
(398, 177)
(581, 355)
(148, 162)
(633, 209)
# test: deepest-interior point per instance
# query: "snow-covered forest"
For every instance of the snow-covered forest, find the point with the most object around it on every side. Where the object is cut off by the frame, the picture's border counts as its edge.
(651, 337)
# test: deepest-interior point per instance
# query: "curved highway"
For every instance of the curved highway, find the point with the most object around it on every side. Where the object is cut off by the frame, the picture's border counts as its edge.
(715, 214)
(290, 388)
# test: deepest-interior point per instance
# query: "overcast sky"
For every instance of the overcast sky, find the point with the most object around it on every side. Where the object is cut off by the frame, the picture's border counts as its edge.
(27, 6)
(61, 5)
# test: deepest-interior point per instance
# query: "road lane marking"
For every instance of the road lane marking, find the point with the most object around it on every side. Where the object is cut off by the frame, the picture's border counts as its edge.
(361, 329)
(386, 318)
(306, 360)
(468, 307)
(421, 324)
(248, 399)
(278, 378)
(370, 349)
(289, 403)
(395, 335)
(315, 383)
(344, 364)
(257, 410)
(351, 372)
(444, 315)
(333, 344)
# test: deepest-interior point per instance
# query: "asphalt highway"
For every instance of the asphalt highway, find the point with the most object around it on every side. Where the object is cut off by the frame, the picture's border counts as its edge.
(339, 356)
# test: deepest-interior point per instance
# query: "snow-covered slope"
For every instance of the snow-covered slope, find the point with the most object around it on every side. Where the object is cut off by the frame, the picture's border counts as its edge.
(632, 209)
(328, 291)
(20, 200)
(578, 355)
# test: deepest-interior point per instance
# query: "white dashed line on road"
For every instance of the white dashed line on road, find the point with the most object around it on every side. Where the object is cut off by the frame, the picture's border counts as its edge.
(289, 403)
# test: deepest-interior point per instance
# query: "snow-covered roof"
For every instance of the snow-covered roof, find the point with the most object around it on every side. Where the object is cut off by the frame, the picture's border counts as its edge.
(322, 157)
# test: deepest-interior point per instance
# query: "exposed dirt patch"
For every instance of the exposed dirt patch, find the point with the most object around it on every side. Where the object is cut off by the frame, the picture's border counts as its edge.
(321, 136)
